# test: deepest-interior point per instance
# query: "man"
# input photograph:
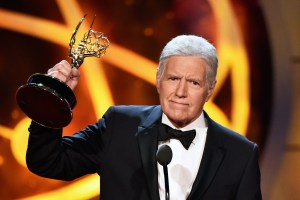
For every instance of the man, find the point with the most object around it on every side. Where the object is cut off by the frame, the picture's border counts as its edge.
(219, 164)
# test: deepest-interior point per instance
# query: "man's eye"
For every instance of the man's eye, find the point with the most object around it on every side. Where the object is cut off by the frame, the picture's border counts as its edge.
(173, 78)
(195, 82)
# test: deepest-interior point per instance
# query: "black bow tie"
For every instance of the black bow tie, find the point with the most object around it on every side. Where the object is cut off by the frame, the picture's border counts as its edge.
(185, 137)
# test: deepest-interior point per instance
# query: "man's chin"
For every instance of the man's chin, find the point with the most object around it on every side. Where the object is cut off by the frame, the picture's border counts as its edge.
(178, 122)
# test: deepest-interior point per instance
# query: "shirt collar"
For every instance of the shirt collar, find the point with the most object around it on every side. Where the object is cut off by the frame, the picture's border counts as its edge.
(200, 122)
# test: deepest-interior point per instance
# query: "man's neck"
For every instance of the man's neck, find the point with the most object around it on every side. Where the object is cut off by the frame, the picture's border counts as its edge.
(197, 123)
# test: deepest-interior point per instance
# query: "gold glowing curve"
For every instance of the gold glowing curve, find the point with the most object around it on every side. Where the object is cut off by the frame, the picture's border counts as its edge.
(71, 11)
(232, 54)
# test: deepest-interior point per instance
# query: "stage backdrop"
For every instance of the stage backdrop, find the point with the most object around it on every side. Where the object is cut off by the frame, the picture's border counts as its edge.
(34, 36)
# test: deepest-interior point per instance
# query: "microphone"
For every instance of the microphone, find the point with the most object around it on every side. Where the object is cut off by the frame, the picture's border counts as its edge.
(164, 156)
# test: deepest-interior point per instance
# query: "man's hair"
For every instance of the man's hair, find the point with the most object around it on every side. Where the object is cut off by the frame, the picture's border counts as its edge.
(191, 45)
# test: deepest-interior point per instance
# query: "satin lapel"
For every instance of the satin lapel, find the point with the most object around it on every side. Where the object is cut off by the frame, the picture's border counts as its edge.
(213, 155)
(147, 139)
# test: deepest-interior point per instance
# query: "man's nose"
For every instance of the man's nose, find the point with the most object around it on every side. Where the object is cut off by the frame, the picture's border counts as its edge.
(181, 90)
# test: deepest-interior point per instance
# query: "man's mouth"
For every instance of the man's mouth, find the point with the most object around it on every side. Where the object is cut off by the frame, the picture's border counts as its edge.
(178, 104)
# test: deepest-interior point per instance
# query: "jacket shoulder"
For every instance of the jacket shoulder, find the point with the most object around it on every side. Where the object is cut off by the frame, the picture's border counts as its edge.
(132, 109)
(227, 136)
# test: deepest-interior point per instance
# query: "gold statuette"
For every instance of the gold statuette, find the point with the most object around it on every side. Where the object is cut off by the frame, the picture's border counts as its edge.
(49, 101)
(93, 44)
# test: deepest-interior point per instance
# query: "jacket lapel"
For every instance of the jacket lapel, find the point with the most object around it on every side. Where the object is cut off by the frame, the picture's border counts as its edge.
(147, 139)
(213, 155)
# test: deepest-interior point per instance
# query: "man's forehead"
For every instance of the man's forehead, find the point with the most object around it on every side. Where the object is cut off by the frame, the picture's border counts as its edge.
(186, 64)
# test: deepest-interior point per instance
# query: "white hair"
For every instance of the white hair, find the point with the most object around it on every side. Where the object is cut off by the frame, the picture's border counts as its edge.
(191, 45)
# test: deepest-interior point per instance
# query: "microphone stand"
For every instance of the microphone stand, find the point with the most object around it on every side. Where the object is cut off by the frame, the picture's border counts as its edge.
(164, 156)
(165, 167)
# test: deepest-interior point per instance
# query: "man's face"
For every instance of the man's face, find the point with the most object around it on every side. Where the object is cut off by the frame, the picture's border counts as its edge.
(183, 89)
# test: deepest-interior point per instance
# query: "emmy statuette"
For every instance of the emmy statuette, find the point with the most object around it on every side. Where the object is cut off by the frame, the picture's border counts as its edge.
(49, 101)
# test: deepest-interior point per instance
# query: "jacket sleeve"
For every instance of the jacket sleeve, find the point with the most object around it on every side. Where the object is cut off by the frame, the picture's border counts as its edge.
(66, 158)
(249, 188)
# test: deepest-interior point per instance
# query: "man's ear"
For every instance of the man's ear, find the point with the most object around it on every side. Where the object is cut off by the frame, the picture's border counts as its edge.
(210, 91)
(157, 82)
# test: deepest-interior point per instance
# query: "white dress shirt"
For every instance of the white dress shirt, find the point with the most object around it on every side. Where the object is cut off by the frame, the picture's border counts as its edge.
(184, 165)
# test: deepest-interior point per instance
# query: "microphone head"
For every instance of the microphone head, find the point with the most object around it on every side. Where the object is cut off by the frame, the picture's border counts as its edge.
(164, 155)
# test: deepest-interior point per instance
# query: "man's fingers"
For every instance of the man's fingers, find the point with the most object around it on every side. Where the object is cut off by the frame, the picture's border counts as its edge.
(65, 73)
(61, 71)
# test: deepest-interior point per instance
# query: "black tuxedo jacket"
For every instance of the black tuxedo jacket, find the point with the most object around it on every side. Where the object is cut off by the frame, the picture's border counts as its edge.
(121, 148)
